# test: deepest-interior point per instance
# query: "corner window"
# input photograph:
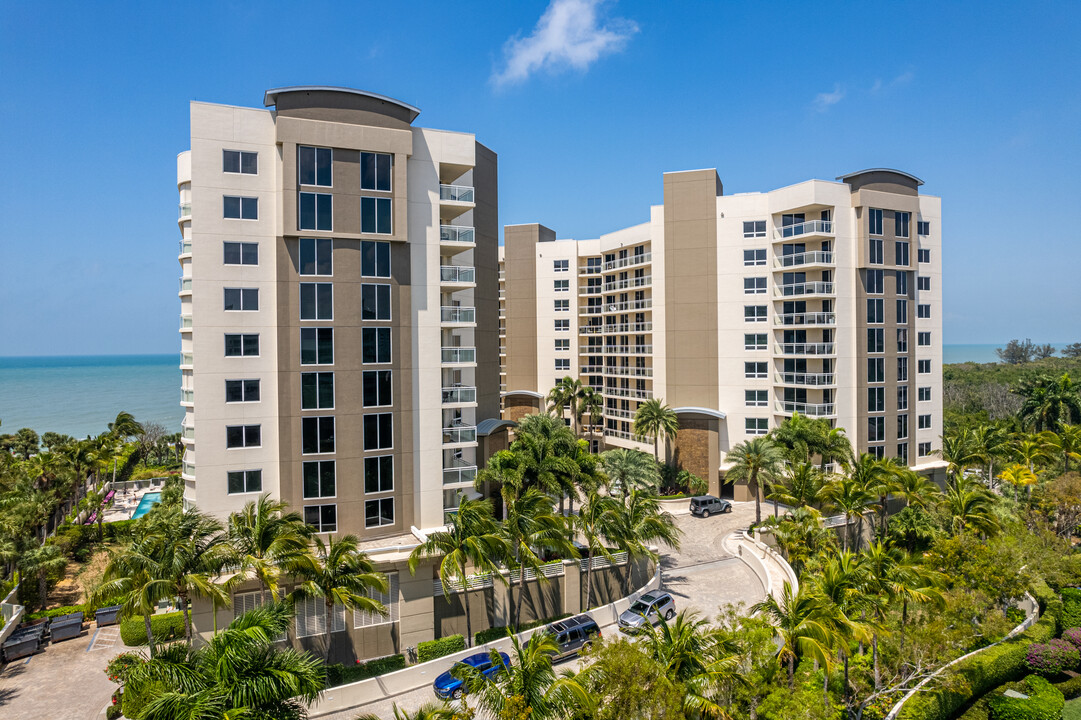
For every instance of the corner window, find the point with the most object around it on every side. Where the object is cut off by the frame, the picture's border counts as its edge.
(316, 301)
(238, 391)
(243, 436)
(315, 166)
(246, 299)
(317, 435)
(374, 259)
(317, 346)
(324, 518)
(240, 208)
(377, 388)
(244, 481)
(378, 431)
(238, 161)
(378, 474)
(316, 211)
(316, 256)
(375, 215)
(317, 391)
(319, 479)
(378, 513)
(374, 302)
(241, 253)
(375, 345)
(375, 171)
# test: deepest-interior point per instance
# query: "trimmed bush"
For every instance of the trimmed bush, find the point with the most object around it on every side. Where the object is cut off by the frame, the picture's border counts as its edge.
(88, 612)
(168, 626)
(345, 674)
(1044, 702)
(1071, 613)
(432, 649)
(502, 631)
(1070, 688)
(1053, 658)
(1073, 636)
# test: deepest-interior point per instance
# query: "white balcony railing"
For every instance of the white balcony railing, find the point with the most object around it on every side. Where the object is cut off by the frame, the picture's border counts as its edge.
(453, 476)
(185, 284)
(627, 261)
(629, 305)
(619, 413)
(185, 210)
(458, 355)
(626, 392)
(185, 247)
(459, 395)
(808, 409)
(187, 396)
(805, 349)
(810, 227)
(458, 314)
(590, 289)
(456, 193)
(591, 310)
(805, 288)
(456, 234)
(458, 274)
(628, 283)
(816, 318)
(458, 435)
(628, 349)
(815, 257)
(630, 371)
(621, 328)
(186, 359)
(806, 379)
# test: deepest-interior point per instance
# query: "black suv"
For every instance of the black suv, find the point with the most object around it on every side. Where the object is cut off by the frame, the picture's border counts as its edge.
(573, 634)
(706, 505)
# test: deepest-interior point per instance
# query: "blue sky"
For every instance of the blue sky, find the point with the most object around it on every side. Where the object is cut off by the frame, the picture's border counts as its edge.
(586, 105)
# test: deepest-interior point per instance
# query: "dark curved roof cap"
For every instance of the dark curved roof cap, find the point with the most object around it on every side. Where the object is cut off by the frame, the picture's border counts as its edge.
(270, 98)
(910, 176)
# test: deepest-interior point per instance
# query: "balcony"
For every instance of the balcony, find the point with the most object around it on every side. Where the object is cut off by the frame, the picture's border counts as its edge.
(458, 275)
(185, 285)
(807, 319)
(591, 310)
(805, 349)
(459, 396)
(186, 360)
(187, 397)
(810, 227)
(629, 261)
(459, 237)
(628, 283)
(629, 305)
(816, 257)
(807, 409)
(627, 392)
(622, 328)
(455, 193)
(619, 413)
(806, 379)
(455, 475)
(185, 323)
(629, 371)
(628, 349)
(458, 356)
(590, 289)
(185, 212)
(188, 433)
(185, 247)
(188, 469)
(589, 269)
(590, 369)
(460, 435)
(804, 288)
(457, 315)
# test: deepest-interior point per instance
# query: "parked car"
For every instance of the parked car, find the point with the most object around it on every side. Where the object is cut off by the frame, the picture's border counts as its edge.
(706, 505)
(649, 608)
(573, 634)
(447, 686)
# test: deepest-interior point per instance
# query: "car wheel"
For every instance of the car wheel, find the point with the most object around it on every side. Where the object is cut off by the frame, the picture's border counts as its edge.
(457, 694)
(705, 513)
(728, 509)
(670, 614)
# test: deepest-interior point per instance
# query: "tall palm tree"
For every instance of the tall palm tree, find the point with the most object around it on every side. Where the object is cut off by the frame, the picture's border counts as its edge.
(341, 576)
(878, 477)
(798, 436)
(959, 451)
(1049, 402)
(1066, 441)
(471, 539)
(804, 627)
(1019, 476)
(630, 470)
(549, 455)
(39, 564)
(839, 584)
(639, 523)
(591, 403)
(268, 539)
(835, 447)
(596, 521)
(530, 527)
(655, 419)
(850, 495)
(128, 576)
(1032, 450)
(990, 442)
(799, 486)
(755, 461)
(565, 394)
(970, 507)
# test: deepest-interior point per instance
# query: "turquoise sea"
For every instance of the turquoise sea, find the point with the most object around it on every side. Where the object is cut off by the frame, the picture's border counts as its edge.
(80, 395)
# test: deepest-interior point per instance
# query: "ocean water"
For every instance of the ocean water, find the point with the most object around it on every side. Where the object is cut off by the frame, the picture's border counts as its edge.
(81, 395)
(984, 353)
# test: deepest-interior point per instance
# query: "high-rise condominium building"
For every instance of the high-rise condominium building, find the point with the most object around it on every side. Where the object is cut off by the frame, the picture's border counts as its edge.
(338, 309)
(822, 298)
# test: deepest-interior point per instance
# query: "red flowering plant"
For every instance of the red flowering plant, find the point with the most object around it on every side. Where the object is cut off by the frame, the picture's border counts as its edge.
(119, 668)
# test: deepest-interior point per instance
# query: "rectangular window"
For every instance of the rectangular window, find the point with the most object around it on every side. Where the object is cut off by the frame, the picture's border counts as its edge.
(900, 224)
(875, 282)
(924, 394)
(754, 228)
(241, 299)
(563, 344)
(378, 431)
(902, 340)
(375, 215)
(562, 325)
(241, 253)
(562, 305)
(375, 345)
(240, 208)
(754, 257)
(924, 367)
(561, 265)
(315, 166)
(876, 342)
(316, 211)
(316, 301)
(876, 429)
(876, 451)
(317, 391)
(316, 256)
(902, 312)
(923, 227)
(902, 397)
(389, 599)
(247, 601)
(923, 339)
(238, 161)
(378, 474)
(563, 364)
(756, 426)
(924, 255)
(876, 399)
(876, 315)
(925, 422)
(902, 427)
(924, 449)
(876, 370)
(901, 279)
(874, 254)
(755, 341)
(317, 435)
(320, 479)
(378, 513)
(756, 398)
(900, 251)
(375, 171)
(754, 370)
(923, 282)
(244, 481)
(754, 285)
(311, 612)
(377, 392)
(902, 369)
(902, 452)
(754, 313)
(923, 311)
(374, 302)
(324, 518)
(242, 436)
(317, 346)
(874, 221)
(237, 391)
(241, 345)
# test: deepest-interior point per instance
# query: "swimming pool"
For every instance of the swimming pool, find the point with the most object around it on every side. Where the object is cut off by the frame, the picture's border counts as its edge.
(145, 503)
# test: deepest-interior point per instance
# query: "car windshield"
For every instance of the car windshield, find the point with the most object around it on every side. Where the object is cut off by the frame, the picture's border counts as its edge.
(640, 608)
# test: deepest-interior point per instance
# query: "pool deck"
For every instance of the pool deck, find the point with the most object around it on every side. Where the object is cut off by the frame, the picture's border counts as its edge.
(124, 504)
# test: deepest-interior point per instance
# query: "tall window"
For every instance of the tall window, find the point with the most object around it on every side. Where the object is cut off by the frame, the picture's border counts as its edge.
(876, 399)
(375, 215)
(241, 253)
(317, 391)
(317, 346)
(375, 171)
(875, 312)
(902, 340)
(374, 302)
(874, 255)
(900, 224)
(241, 299)
(874, 221)
(240, 208)
(902, 369)
(378, 474)
(316, 211)
(319, 479)
(379, 431)
(241, 345)
(375, 345)
(902, 312)
(876, 429)
(876, 370)
(902, 427)
(317, 435)
(874, 282)
(377, 388)
(901, 253)
(315, 166)
(875, 340)
(316, 256)
(244, 481)
(389, 599)
(238, 161)
(902, 397)
(901, 279)
(316, 301)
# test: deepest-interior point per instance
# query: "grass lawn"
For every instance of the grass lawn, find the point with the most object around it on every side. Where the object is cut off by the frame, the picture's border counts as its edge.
(1072, 711)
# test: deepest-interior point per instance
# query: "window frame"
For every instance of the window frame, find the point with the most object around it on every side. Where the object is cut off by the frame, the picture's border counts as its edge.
(377, 331)
(389, 301)
(316, 202)
(756, 429)
(317, 242)
(376, 156)
(244, 430)
(755, 232)
(757, 257)
(921, 419)
(315, 289)
(379, 461)
(245, 295)
(756, 375)
(760, 341)
(874, 221)
(317, 421)
(364, 388)
(239, 161)
(241, 246)
(920, 364)
(241, 207)
(318, 464)
(378, 420)
(377, 203)
(754, 288)
(315, 168)
(243, 390)
(378, 248)
(319, 528)
(381, 504)
(318, 375)
(243, 344)
(921, 392)
(316, 331)
(902, 223)
(244, 480)
(756, 398)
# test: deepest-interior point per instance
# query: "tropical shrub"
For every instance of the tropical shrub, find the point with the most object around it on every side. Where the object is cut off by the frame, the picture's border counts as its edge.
(118, 531)
(345, 674)
(87, 611)
(120, 666)
(1053, 658)
(432, 649)
(1044, 702)
(1070, 688)
(502, 631)
(1071, 607)
(168, 626)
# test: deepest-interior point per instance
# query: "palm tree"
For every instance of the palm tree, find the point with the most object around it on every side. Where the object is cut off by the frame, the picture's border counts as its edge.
(531, 527)
(959, 451)
(1066, 441)
(239, 672)
(800, 486)
(39, 563)
(755, 461)
(124, 426)
(839, 584)
(835, 447)
(799, 437)
(472, 539)
(591, 403)
(850, 495)
(989, 441)
(1049, 402)
(267, 539)
(878, 477)
(342, 576)
(549, 455)
(1031, 450)
(128, 577)
(427, 711)
(565, 394)
(654, 419)
(630, 470)
(800, 536)
(970, 507)
(596, 521)
(1019, 476)
(804, 627)
(639, 523)
(915, 489)
(527, 685)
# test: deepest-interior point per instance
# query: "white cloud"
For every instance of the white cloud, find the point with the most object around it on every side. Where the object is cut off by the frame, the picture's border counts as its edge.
(824, 101)
(903, 79)
(567, 35)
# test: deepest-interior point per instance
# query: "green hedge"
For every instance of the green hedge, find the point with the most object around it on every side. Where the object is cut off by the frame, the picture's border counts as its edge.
(1044, 702)
(345, 674)
(1070, 688)
(168, 626)
(432, 649)
(119, 530)
(502, 631)
(88, 612)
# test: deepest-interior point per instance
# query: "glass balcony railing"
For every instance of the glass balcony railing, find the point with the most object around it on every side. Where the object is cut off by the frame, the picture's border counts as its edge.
(807, 409)
(456, 234)
(805, 258)
(627, 261)
(187, 396)
(815, 318)
(185, 322)
(186, 359)
(457, 314)
(810, 227)
(185, 247)
(806, 379)
(188, 433)
(462, 434)
(455, 475)
(457, 274)
(459, 395)
(805, 288)
(628, 283)
(456, 193)
(805, 349)
(185, 210)
(185, 284)
(458, 355)
(189, 469)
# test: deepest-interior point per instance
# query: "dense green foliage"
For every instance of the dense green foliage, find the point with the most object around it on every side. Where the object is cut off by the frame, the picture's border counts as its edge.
(432, 649)
(502, 631)
(1043, 702)
(166, 626)
(345, 674)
